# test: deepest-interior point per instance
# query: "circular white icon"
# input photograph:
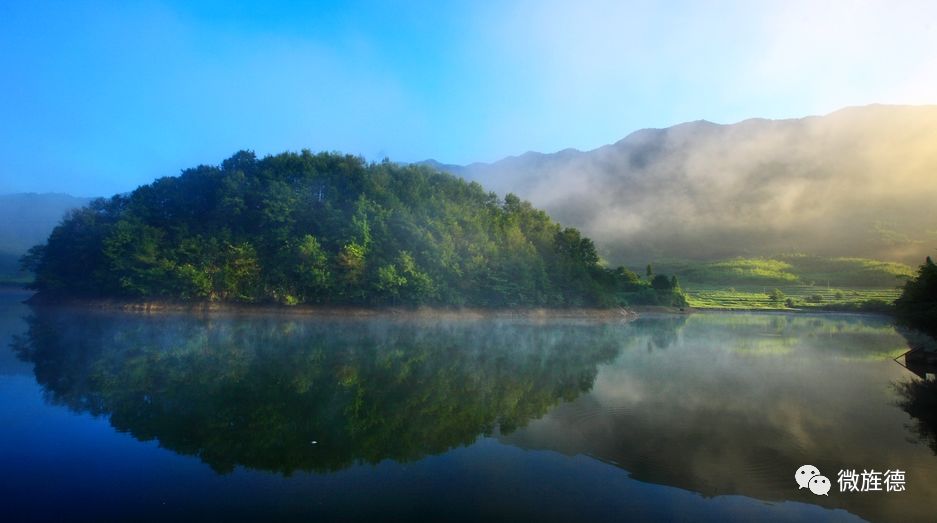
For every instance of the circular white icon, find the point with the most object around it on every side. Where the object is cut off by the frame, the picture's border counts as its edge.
(819, 485)
(803, 475)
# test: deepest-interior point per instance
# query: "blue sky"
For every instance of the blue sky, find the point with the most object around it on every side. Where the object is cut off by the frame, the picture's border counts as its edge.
(99, 97)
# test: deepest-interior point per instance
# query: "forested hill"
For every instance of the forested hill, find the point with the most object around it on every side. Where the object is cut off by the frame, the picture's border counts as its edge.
(328, 229)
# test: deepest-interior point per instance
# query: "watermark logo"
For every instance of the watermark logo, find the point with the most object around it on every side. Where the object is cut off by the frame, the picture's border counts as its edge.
(809, 477)
(820, 485)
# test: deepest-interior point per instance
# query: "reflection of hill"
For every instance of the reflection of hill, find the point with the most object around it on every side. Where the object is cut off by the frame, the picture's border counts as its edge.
(257, 392)
(737, 402)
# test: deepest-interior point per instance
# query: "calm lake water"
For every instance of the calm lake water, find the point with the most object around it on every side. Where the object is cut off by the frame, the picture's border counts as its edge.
(109, 416)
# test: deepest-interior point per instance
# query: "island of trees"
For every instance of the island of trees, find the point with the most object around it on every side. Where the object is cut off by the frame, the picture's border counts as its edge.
(329, 229)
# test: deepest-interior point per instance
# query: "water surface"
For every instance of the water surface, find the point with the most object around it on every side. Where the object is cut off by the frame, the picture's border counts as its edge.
(127, 416)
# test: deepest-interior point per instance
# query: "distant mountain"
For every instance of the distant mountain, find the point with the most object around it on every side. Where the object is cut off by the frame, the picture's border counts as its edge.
(26, 219)
(861, 181)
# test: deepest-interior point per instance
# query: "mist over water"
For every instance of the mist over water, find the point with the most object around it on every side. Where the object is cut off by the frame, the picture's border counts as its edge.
(667, 416)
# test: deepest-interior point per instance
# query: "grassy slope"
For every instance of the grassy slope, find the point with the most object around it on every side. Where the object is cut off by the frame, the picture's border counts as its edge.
(801, 296)
(808, 281)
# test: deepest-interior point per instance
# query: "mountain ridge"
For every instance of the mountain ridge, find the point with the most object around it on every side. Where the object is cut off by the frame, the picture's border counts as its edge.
(703, 190)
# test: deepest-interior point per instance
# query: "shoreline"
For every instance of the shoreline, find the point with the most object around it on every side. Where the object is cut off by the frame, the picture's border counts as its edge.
(332, 311)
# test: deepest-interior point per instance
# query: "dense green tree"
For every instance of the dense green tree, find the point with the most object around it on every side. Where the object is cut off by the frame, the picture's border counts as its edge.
(918, 302)
(776, 295)
(312, 274)
(662, 283)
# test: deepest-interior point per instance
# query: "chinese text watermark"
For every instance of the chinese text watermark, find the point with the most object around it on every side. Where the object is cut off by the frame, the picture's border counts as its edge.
(850, 480)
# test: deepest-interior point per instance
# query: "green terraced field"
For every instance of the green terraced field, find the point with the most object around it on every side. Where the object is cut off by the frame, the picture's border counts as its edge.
(802, 296)
(790, 270)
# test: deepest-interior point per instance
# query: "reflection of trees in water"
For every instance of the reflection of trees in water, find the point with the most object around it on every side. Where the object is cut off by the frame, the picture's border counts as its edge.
(258, 391)
(919, 400)
(918, 396)
(661, 331)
